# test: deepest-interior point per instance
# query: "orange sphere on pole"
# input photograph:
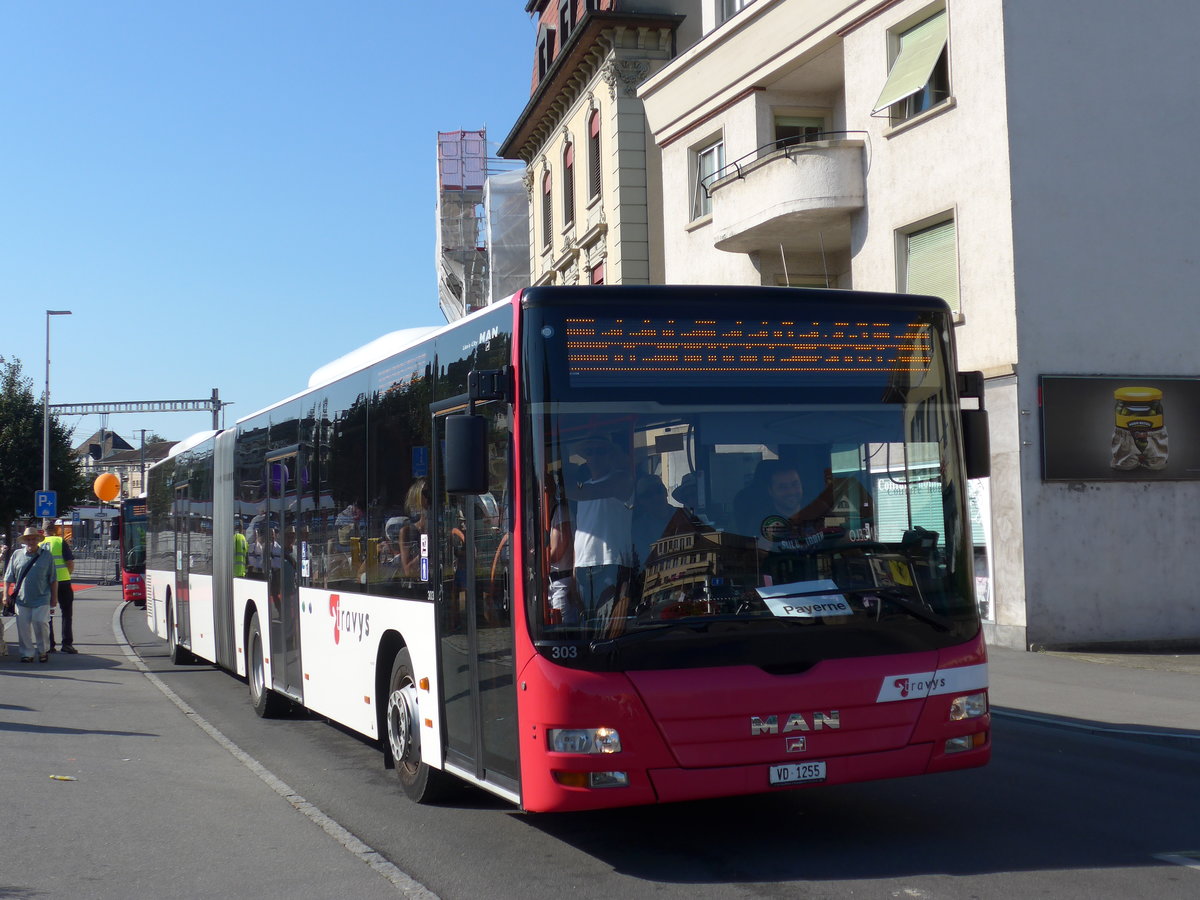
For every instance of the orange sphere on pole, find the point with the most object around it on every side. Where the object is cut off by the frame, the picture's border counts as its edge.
(107, 486)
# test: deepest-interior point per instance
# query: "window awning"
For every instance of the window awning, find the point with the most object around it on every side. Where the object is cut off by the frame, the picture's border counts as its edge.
(920, 48)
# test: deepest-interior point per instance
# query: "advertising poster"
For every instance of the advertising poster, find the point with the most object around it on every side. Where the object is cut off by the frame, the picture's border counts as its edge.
(1120, 428)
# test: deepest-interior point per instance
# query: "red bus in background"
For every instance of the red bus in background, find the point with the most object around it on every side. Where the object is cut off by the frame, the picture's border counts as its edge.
(131, 529)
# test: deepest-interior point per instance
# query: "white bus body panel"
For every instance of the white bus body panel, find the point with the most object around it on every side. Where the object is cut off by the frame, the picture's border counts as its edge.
(158, 581)
(203, 638)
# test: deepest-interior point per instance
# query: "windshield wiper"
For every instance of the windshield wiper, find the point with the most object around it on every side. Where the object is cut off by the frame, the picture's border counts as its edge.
(917, 610)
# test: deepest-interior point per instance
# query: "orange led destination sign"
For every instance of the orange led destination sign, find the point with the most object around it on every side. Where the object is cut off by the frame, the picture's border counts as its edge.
(628, 346)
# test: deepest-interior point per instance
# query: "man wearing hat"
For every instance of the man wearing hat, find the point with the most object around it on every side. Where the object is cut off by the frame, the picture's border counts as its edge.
(31, 571)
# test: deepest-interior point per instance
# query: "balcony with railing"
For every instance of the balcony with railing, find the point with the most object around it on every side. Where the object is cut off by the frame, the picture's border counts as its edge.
(798, 192)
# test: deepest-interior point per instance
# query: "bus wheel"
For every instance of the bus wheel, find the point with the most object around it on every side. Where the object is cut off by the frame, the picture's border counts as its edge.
(420, 782)
(265, 701)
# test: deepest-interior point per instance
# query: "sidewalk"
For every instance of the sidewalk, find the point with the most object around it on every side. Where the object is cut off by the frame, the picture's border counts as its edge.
(1143, 696)
(156, 807)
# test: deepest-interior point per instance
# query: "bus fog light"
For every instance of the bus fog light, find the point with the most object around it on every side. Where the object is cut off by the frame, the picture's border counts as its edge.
(608, 779)
(969, 706)
(966, 742)
(584, 740)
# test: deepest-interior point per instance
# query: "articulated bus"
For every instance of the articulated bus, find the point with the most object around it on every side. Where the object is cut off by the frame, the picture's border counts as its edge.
(604, 546)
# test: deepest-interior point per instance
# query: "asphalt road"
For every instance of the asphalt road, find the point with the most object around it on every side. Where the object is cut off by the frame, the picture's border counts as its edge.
(1057, 813)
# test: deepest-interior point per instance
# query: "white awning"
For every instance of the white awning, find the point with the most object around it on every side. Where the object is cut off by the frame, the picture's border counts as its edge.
(920, 48)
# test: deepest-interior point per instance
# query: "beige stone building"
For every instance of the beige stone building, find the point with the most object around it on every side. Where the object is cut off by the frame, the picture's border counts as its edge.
(592, 171)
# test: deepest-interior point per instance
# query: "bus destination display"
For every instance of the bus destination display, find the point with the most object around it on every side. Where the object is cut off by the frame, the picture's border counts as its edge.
(625, 350)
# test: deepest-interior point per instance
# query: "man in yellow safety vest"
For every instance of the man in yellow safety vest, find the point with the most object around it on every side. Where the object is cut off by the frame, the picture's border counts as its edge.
(64, 566)
(241, 551)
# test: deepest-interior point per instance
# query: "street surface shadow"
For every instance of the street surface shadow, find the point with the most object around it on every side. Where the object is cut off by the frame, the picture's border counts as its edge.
(1015, 815)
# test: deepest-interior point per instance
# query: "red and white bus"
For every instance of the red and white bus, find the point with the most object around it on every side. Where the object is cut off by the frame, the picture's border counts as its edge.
(131, 535)
(603, 546)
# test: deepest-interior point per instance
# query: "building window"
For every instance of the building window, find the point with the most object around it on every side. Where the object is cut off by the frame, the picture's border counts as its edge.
(598, 274)
(707, 163)
(727, 9)
(930, 262)
(545, 51)
(919, 78)
(594, 154)
(547, 210)
(566, 18)
(791, 130)
(568, 184)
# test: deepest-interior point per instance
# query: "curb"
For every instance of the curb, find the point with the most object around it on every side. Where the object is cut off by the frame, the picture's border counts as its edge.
(1178, 741)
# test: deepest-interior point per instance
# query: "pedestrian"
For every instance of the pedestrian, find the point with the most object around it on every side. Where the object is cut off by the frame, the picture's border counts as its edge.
(64, 565)
(31, 573)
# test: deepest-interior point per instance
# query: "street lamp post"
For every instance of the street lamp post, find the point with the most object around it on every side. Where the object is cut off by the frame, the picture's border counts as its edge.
(46, 406)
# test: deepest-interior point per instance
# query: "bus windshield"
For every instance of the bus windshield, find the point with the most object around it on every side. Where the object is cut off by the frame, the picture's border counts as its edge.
(133, 536)
(712, 497)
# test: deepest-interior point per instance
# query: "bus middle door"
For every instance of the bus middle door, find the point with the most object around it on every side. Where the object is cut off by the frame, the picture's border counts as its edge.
(179, 617)
(282, 563)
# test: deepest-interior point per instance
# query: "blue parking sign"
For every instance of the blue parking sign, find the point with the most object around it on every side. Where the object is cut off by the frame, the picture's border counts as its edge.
(45, 504)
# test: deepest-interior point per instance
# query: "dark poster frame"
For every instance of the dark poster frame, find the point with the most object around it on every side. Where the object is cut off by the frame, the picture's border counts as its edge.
(1081, 440)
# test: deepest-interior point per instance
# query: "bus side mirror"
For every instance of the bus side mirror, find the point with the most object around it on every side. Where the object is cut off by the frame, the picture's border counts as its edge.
(465, 468)
(977, 449)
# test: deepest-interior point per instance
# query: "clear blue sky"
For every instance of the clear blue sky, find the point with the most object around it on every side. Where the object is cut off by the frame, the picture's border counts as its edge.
(230, 194)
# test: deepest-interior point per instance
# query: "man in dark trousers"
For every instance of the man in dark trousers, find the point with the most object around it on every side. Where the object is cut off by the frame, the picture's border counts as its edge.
(64, 566)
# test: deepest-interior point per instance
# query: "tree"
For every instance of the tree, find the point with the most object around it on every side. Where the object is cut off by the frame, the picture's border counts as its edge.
(21, 450)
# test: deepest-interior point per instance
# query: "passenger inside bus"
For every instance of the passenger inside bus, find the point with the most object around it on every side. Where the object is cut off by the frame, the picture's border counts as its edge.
(562, 593)
(603, 524)
(417, 504)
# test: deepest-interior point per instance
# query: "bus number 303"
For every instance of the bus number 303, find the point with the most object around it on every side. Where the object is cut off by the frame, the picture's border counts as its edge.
(793, 773)
(564, 651)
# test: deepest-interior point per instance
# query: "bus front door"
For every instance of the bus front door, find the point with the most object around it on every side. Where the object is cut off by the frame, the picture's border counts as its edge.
(475, 627)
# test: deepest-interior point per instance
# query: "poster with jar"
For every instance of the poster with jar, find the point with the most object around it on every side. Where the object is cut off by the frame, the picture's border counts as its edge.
(1120, 428)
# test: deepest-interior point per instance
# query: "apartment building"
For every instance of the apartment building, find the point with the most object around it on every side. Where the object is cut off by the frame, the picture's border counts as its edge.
(1032, 164)
(591, 168)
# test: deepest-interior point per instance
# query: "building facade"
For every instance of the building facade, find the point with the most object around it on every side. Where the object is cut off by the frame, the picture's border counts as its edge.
(958, 148)
(591, 168)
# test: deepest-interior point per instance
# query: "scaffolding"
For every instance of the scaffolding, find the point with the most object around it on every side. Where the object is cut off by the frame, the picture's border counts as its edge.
(465, 231)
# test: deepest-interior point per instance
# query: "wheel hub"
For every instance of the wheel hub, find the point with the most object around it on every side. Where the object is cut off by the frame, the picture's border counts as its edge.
(402, 724)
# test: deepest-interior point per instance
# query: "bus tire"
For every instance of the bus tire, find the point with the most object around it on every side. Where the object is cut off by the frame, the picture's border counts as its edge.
(267, 704)
(420, 781)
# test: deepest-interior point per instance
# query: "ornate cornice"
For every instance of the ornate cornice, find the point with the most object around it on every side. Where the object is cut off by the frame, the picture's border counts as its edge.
(629, 73)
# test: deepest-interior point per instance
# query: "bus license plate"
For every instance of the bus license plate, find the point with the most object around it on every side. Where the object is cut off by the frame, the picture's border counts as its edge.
(795, 773)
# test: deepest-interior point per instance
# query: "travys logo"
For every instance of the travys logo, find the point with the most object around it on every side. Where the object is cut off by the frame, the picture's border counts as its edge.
(929, 684)
(920, 686)
(349, 622)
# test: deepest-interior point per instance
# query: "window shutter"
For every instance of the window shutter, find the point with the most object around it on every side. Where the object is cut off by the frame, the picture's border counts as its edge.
(547, 211)
(932, 264)
(594, 155)
(569, 184)
(920, 48)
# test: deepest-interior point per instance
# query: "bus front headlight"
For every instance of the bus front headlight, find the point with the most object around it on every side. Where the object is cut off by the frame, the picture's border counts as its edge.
(584, 740)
